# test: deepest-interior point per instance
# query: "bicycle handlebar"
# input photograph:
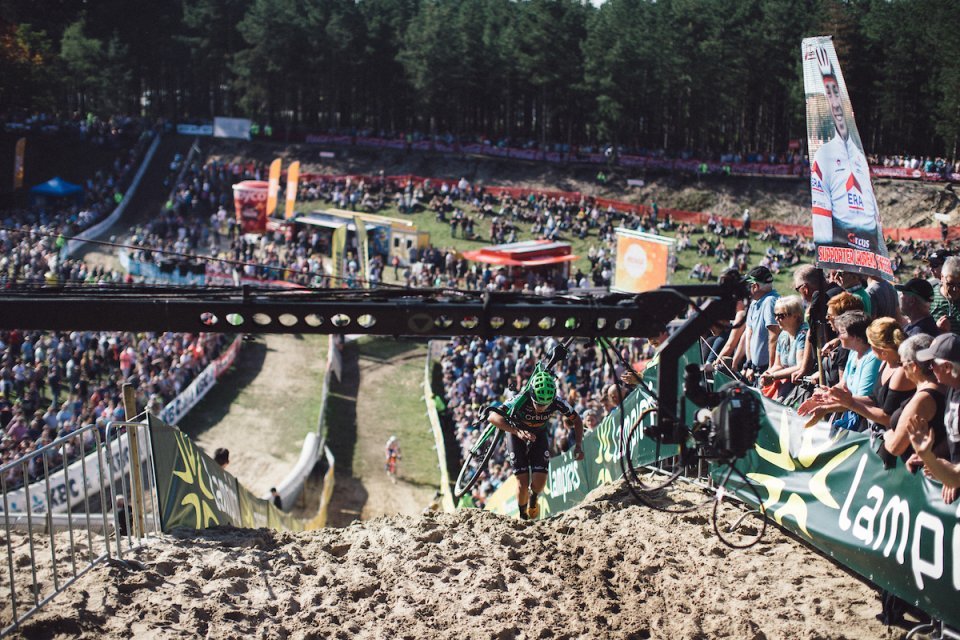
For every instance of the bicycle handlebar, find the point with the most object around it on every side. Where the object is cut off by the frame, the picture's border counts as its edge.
(558, 353)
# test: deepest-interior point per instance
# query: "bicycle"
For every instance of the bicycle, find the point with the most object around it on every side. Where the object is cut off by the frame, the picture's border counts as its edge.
(478, 457)
(392, 467)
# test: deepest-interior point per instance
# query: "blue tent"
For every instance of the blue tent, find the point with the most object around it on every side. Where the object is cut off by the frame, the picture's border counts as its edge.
(57, 188)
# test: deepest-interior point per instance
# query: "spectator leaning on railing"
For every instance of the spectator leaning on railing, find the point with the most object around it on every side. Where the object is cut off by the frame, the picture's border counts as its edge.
(941, 457)
(927, 405)
(759, 339)
(893, 389)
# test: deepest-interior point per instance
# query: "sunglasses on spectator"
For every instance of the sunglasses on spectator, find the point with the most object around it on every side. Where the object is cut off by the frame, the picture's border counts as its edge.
(781, 315)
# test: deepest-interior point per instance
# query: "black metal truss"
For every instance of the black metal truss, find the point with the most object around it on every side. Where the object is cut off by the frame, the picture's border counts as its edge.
(395, 312)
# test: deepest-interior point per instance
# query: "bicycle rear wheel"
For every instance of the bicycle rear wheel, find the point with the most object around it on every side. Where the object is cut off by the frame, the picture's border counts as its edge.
(477, 460)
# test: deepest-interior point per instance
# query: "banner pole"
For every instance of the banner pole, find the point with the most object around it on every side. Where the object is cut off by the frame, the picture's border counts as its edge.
(133, 440)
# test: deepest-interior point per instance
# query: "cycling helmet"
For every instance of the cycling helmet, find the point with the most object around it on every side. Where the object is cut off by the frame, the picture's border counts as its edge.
(543, 389)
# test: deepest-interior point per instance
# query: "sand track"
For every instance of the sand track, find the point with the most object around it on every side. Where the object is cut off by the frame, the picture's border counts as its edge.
(605, 569)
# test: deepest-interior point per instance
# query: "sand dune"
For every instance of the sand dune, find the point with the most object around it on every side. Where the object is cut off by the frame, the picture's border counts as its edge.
(606, 569)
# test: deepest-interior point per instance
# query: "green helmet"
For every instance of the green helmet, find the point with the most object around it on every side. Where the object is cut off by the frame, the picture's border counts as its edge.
(543, 389)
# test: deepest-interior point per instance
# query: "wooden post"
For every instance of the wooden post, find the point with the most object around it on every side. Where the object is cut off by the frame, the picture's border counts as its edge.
(133, 439)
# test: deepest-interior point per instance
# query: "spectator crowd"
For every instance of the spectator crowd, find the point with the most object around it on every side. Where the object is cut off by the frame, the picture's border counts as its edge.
(862, 353)
(53, 383)
(782, 342)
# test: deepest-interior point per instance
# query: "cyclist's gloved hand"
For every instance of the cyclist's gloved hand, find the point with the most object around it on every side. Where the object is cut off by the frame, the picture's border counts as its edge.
(578, 453)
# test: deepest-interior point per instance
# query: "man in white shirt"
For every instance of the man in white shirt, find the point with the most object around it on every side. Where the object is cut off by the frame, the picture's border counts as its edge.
(844, 207)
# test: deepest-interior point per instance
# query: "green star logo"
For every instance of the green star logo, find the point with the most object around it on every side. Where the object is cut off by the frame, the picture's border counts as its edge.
(198, 497)
(792, 504)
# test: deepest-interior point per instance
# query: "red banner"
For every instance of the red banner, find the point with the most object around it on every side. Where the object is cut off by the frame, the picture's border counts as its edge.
(250, 202)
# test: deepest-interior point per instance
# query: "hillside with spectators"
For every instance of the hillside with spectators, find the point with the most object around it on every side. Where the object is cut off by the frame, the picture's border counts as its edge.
(903, 203)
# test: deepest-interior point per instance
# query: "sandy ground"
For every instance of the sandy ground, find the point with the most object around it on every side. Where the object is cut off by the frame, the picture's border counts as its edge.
(605, 569)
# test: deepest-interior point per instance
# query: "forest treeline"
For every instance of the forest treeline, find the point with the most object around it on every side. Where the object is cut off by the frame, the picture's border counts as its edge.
(708, 76)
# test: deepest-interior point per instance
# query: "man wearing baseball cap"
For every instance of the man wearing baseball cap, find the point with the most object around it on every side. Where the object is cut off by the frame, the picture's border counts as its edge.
(944, 351)
(759, 340)
(935, 259)
(915, 298)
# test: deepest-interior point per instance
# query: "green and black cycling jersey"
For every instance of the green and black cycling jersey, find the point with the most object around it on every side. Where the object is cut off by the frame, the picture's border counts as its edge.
(522, 410)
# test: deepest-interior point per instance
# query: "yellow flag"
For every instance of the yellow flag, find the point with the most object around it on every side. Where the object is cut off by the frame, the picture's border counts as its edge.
(18, 163)
(337, 246)
(293, 177)
(363, 245)
(273, 187)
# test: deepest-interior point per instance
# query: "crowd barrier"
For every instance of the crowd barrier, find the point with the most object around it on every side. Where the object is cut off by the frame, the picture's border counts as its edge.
(314, 445)
(320, 520)
(64, 491)
(61, 548)
(74, 244)
(446, 496)
(191, 274)
(576, 156)
(831, 490)
(195, 492)
(59, 490)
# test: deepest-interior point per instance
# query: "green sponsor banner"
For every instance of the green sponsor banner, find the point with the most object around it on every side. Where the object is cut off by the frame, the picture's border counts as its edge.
(569, 481)
(193, 490)
(254, 512)
(888, 525)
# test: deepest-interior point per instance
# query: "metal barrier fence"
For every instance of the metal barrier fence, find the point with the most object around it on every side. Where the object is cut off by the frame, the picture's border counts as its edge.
(47, 552)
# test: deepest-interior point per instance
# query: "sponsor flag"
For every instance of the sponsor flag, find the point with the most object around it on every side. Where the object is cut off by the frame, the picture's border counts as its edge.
(364, 247)
(846, 219)
(250, 202)
(642, 261)
(338, 244)
(18, 154)
(293, 179)
(273, 187)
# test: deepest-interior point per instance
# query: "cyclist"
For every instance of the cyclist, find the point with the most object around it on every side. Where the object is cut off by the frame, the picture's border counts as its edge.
(392, 456)
(527, 446)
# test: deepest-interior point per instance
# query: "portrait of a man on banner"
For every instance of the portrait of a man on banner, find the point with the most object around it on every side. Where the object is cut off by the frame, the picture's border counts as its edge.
(846, 218)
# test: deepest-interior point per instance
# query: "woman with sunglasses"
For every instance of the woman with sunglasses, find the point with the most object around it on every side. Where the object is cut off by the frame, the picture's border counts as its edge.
(527, 444)
(791, 343)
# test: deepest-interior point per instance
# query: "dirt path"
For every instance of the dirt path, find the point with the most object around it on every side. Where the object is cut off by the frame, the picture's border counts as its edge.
(383, 496)
(363, 491)
(255, 411)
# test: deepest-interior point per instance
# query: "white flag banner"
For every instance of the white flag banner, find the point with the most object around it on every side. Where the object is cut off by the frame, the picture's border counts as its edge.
(846, 219)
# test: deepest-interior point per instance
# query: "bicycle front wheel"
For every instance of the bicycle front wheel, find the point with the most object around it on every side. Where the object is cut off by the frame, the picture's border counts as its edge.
(477, 460)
